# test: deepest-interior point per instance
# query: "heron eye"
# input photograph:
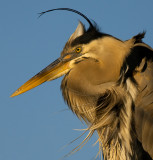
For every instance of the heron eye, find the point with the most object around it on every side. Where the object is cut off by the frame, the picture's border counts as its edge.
(78, 49)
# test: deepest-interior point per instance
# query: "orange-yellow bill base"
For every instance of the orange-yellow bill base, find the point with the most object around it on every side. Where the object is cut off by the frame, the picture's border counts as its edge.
(53, 71)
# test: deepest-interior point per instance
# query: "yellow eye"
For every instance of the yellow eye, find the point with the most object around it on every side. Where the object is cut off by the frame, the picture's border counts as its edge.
(78, 49)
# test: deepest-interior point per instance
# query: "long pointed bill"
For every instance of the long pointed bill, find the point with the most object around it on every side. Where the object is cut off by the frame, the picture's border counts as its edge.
(53, 71)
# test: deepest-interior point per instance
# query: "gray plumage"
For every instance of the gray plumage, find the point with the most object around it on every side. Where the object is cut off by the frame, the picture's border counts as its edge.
(109, 84)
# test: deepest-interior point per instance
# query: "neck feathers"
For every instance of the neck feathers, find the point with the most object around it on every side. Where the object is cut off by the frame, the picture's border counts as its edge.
(118, 136)
(112, 117)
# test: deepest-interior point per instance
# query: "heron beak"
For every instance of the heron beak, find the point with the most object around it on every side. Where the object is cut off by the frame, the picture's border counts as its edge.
(52, 71)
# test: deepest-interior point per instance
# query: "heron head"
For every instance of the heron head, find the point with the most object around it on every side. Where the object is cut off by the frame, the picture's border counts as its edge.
(71, 54)
(84, 45)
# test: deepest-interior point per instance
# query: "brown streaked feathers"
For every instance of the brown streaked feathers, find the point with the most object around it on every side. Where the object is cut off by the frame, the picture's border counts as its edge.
(108, 84)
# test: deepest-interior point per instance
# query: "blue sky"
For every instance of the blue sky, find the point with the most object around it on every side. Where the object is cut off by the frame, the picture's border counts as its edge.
(37, 125)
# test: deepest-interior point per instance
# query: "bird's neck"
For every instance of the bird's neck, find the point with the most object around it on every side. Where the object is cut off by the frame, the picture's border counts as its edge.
(111, 114)
(117, 138)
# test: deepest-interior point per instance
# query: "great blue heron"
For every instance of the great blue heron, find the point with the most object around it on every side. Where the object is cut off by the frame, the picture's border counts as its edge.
(109, 84)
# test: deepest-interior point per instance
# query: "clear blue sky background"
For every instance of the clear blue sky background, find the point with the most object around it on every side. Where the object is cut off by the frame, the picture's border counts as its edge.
(37, 124)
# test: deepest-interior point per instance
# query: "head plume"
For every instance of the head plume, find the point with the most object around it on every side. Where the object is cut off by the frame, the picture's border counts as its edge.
(71, 10)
